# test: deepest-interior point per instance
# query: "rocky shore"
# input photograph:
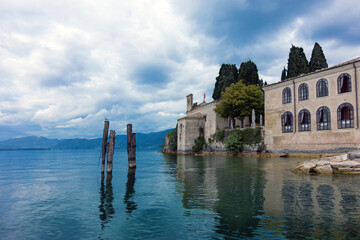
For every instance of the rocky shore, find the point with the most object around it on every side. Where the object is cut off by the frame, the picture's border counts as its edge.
(345, 163)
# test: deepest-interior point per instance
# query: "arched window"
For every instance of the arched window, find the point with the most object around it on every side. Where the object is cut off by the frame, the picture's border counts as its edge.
(322, 88)
(344, 83)
(323, 121)
(345, 115)
(287, 122)
(304, 120)
(303, 92)
(286, 95)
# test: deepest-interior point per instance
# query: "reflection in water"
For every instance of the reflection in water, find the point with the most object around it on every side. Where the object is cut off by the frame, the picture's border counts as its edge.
(106, 198)
(231, 188)
(241, 200)
(261, 198)
(130, 191)
(350, 207)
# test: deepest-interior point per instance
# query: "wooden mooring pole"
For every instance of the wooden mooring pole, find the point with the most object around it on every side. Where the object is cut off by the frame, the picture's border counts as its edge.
(104, 145)
(131, 147)
(110, 152)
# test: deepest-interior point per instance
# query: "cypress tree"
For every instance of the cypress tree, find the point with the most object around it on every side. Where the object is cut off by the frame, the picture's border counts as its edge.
(248, 73)
(228, 74)
(318, 60)
(297, 62)
(283, 74)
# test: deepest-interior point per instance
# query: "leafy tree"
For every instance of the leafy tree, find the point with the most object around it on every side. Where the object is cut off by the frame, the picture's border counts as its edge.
(238, 101)
(297, 62)
(283, 74)
(228, 74)
(318, 60)
(248, 73)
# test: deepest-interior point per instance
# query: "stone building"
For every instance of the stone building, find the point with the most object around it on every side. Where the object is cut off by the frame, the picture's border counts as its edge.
(201, 120)
(314, 112)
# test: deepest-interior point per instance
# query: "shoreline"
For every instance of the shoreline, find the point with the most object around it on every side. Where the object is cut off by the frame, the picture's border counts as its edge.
(266, 155)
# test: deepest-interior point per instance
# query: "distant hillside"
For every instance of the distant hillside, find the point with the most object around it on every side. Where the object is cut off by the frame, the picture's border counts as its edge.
(143, 141)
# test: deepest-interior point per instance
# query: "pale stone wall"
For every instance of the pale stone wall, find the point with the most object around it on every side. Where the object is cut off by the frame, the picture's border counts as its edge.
(188, 131)
(198, 117)
(327, 140)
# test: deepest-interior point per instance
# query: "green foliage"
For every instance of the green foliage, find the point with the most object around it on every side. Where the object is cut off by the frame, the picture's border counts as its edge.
(172, 137)
(234, 142)
(238, 138)
(283, 74)
(199, 144)
(220, 135)
(297, 62)
(228, 74)
(248, 73)
(251, 135)
(318, 60)
(238, 101)
(210, 140)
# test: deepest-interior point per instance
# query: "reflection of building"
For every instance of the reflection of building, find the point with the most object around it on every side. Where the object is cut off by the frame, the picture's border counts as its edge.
(201, 120)
(315, 111)
(262, 198)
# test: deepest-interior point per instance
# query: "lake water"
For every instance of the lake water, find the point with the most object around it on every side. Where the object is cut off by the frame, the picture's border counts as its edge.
(60, 195)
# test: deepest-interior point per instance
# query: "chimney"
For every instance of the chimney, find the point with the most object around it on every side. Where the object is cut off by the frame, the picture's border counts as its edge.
(189, 102)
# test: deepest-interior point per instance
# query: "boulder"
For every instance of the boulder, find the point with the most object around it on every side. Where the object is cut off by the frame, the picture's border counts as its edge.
(346, 164)
(307, 167)
(354, 155)
(325, 169)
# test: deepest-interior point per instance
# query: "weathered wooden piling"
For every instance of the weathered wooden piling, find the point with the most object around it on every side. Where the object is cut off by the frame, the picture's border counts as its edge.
(110, 152)
(131, 146)
(104, 145)
(132, 158)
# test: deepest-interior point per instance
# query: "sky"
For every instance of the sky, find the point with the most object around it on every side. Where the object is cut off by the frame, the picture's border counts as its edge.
(66, 65)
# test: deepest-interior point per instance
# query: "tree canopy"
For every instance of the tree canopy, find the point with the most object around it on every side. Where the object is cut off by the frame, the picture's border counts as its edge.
(318, 60)
(297, 62)
(239, 99)
(248, 73)
(228, 74)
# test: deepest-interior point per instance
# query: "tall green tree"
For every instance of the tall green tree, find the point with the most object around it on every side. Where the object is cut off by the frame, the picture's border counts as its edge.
(239, 99)
(248, 73)
(318, 60)
(228, 74)
(283, 74)
(297, 62)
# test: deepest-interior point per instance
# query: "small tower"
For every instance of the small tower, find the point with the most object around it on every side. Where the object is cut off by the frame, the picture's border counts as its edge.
(189, 102)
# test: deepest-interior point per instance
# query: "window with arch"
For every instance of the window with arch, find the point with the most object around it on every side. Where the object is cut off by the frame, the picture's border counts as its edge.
(344, 83)
(304, 120)
(287, 122)
(345, 115)
(322, 89)
(323, 121)
(286, 95)
(303, 92)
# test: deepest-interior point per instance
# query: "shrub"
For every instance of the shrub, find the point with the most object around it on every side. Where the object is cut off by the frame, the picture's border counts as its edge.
(237, 138)
(251, 135)
(199, 144)
(234, 142)
(220, 135)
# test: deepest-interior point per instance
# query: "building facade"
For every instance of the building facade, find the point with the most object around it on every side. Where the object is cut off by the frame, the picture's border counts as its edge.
(201, 120)
(314, 112)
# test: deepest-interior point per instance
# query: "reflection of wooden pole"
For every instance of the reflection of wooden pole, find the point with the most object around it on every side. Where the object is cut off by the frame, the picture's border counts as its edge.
(132, 158)
(104, 144)
(111, 152)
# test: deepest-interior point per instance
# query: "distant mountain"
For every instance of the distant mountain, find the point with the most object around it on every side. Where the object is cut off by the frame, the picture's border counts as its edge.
(143, 141)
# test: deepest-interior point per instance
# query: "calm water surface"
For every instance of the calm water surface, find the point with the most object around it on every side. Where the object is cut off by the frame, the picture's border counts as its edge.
(60, 195)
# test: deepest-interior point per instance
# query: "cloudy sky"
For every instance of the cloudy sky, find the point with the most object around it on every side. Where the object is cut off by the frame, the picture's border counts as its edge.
(66, 65)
